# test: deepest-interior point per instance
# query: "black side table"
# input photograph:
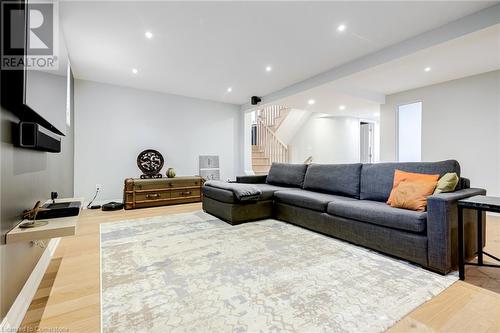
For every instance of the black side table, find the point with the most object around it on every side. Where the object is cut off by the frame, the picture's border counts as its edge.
(480, 203)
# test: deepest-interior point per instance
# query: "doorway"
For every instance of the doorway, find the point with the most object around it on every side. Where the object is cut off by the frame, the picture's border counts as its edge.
(367, 142)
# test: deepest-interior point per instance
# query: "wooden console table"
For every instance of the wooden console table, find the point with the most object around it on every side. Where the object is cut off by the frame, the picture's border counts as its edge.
(141, 193)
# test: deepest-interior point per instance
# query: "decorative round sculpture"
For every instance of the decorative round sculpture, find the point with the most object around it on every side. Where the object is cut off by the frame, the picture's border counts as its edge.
(150, 162)
(170, 173)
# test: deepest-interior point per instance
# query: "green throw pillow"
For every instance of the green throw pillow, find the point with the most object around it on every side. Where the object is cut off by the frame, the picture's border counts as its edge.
(447, 183)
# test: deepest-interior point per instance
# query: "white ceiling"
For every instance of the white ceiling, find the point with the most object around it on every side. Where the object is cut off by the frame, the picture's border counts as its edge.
(328, 98)
(200, 49)
(475, 53)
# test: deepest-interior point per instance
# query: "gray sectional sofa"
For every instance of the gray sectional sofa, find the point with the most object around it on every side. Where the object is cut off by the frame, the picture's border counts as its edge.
(347, 201)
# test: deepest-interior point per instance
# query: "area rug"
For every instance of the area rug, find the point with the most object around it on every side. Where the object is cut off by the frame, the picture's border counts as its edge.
(194, 273)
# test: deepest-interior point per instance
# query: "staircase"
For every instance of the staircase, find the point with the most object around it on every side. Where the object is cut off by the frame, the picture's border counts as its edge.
(267, 147)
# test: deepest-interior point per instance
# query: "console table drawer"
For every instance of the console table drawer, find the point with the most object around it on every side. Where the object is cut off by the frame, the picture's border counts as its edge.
(185, 193)
(150, 196)
(174, 183)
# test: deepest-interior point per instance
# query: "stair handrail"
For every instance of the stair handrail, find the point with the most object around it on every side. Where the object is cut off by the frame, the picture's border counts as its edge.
(274, 135)
(273, 148)
(269, 114)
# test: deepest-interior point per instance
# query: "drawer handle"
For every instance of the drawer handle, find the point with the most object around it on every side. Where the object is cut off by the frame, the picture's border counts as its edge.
(185, 193)
(151, 196)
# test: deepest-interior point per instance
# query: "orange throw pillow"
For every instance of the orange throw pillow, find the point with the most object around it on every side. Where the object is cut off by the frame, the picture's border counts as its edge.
(400, 176)
(412, 194)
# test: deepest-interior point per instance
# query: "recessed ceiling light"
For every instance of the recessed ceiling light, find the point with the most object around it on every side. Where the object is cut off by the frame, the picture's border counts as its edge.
(311, 101)
(229, 89)
(269, 68)
(135, 71)
(427, 69)
(341, 28)
(341, 107)
(148, 34)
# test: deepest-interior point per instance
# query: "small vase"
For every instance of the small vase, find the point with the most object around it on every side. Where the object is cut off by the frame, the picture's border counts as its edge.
(170, 173)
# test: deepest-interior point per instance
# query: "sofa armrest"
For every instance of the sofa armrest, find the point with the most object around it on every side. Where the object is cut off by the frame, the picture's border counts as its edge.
(260, 179)
(464, 183)
(442, 228)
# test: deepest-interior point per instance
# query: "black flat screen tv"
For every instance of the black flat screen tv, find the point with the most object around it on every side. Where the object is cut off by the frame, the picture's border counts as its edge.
(38, 89)
(46, 69)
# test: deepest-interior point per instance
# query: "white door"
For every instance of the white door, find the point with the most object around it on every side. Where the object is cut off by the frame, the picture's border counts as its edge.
(366, 142)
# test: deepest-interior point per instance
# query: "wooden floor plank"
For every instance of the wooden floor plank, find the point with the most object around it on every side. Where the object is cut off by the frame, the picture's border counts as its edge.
(72, 285)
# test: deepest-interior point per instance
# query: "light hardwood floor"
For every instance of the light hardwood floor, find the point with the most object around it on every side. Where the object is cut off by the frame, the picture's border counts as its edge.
(68, 297)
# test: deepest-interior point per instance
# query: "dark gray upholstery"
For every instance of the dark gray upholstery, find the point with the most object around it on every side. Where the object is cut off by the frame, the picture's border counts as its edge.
(377, 179)
(268, 190)
(219, 194)
(308, 199)
(406, 245)
(340, 179)
(379, 213)
(442, 228)
(258, 179)
(238, 213)
(228, 196)
(428, 239)
(284, 174)
(243, 192)
(463, 183)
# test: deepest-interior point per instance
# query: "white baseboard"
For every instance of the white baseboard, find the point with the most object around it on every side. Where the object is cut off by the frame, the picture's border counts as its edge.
(18, 310)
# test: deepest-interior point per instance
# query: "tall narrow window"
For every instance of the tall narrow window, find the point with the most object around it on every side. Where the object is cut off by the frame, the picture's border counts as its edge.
(410, 132)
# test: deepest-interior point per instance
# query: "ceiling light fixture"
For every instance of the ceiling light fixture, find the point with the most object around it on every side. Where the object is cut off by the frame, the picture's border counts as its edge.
(341, 28)
(341, 107)
(148, 34)
(427, 69)
(269, 68)
(311, 101)
(135, 71)
(229, 89)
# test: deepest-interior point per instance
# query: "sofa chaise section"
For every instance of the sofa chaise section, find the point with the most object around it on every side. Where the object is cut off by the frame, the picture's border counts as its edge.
(224, 204)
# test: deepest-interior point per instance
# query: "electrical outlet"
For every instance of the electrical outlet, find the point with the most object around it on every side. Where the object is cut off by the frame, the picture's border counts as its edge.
(98, 187)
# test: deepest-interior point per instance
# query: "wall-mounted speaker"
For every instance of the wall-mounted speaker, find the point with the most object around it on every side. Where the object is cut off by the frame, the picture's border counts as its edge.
(255, 100)
(34, 136)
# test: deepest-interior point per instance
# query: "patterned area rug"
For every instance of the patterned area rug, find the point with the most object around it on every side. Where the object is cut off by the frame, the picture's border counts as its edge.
(195, 273)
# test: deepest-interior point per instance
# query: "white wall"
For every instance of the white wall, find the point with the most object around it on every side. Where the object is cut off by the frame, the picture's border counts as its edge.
(294, 120)
(114, 124)
(248, 118)
(327, 139)
(460, 120)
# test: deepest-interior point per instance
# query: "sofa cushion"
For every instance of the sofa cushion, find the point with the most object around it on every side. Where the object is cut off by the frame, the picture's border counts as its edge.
(377, 179)
(269, 190)
(379, 213)
(219, 194)
(447, 183)
(285, 174)
(340, 179)
(228, 196)
(308, 199)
